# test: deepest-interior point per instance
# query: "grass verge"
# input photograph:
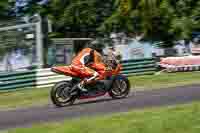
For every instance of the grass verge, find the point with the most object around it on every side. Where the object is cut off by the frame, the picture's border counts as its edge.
(165, 80)
(173, 119)
(31, 97)
(24, 98)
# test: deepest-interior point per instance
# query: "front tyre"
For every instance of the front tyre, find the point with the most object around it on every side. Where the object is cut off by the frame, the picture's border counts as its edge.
(60, 96)
(120, 87)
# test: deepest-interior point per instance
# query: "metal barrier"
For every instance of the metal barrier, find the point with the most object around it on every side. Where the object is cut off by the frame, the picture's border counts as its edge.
(139, 67)
(34, 78)
(46, 78)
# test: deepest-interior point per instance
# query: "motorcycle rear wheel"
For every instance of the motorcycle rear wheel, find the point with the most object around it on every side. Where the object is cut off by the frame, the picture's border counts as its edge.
(59, 95)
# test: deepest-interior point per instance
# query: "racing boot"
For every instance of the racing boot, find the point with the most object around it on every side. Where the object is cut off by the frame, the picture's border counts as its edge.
(81, 87)
(87, 81)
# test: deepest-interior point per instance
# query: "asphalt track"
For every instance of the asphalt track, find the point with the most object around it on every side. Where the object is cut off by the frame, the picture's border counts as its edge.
(100, 106)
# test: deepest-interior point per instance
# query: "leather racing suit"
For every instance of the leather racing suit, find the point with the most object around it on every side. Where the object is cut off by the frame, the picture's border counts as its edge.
(88, 63)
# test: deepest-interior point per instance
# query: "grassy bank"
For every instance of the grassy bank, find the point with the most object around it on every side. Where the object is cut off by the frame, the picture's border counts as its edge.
(165, 80)
(174, 119)
(24, 98)
(31, 97)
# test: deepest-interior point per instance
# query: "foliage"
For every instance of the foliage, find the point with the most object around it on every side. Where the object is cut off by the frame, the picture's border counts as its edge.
(4, 6)
(79, 16)
(185, 18)
(23, 7)
(157, 19)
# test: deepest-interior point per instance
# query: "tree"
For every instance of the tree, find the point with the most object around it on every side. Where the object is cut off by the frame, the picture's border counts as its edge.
(79, 17)
(119, 20)
(24, 7)
(185, 18)
(139, 16)
(158, 20)
(4, 9)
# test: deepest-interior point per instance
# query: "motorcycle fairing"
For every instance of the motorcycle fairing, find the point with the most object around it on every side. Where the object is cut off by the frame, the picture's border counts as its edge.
(64, 70)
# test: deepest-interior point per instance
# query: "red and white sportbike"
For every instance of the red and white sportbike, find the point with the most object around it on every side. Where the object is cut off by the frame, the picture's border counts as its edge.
(66, 92)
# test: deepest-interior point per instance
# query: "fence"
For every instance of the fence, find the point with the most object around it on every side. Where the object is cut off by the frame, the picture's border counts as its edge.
(33, 78)
(46, 78)
(139, 67)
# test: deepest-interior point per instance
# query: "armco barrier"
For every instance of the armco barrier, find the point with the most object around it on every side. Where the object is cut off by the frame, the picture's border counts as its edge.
(46, 78)
(139, 66)
(33, 78)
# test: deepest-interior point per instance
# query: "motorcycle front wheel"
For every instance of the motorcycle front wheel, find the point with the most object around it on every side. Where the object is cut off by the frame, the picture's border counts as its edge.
(60, 96)
(120, 88)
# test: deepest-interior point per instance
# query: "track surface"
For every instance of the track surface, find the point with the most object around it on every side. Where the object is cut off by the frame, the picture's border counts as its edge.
(102, 106)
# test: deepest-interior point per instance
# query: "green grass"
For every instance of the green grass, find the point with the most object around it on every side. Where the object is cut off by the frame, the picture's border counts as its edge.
(165, 80)
(35, 97)
(24, 98)
(174, 119)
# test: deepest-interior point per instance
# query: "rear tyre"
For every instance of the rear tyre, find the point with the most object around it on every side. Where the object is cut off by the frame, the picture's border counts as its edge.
(120, 88)
(60, 96)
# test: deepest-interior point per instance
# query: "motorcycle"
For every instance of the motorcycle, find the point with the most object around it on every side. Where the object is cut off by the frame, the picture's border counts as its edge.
(66, 92)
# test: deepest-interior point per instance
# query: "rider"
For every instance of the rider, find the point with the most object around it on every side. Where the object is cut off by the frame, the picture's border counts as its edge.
(88, 63)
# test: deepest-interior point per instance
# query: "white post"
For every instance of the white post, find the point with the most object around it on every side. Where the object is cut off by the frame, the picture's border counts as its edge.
(39, 44)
